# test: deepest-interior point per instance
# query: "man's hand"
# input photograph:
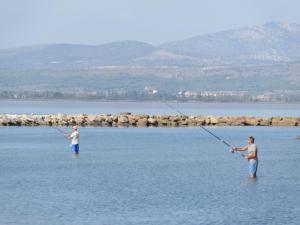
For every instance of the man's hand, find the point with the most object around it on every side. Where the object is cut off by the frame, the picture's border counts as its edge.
(232, 149)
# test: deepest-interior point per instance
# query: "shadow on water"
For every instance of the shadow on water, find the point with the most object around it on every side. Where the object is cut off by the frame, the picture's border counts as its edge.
(252, 182)
(75, 156)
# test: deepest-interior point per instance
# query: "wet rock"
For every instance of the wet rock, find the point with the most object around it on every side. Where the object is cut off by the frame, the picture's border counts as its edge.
(174, 118)
(214, 120)
(236, 121)
(162, 122)
(132, 120)
(251, 121)
(142, 122)
(174, 124)
(184, 122)
(287, 121)
(115, 118)
(221, 121)
(152, 121)
(199, 120)
(123, 119)
(265, 121)
(275, 121)
(218, 120)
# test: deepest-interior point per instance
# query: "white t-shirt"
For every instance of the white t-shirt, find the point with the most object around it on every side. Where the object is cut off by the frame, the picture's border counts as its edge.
(252, 148)
(75, 138)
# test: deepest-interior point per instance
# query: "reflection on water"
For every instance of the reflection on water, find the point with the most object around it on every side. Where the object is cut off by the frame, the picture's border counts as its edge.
(252, 182)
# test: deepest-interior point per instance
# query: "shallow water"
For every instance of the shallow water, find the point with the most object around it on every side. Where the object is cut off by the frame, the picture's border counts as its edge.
(148, 176)
(190, 108)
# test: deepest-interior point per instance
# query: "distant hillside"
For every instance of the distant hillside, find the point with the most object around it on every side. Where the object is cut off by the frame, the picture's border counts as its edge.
(74, 56)
(169, 79)
(272, 42)
(269, 43)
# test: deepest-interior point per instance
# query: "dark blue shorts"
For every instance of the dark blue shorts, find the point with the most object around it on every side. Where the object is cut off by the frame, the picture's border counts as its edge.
(75, 148)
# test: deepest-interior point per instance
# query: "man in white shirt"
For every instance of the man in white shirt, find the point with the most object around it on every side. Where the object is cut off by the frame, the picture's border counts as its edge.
(74, 137)
(251, 156)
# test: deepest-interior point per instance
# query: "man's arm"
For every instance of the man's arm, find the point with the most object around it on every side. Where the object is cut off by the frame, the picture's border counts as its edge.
(68, 136)
(240, 149)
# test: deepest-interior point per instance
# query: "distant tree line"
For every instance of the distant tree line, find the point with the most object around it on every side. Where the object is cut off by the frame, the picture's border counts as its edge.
(142, 95)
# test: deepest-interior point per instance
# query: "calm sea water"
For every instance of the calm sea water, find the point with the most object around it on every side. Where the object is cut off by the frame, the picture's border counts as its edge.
(221, 109)
(148, 177)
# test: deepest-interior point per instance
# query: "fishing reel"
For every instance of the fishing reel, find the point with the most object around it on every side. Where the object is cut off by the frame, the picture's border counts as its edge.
(232, 150)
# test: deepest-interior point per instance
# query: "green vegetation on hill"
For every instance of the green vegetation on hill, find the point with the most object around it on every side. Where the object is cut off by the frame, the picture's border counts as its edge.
(137, 82)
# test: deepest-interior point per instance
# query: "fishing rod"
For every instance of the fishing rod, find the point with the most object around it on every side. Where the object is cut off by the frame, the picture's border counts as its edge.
(181, 113)
(204, 128)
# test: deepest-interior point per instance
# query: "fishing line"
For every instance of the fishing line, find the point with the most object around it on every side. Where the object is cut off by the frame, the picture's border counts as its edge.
(59, 130)
(181, 113)
(55, 128)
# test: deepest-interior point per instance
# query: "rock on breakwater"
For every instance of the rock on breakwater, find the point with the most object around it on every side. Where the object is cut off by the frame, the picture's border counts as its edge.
(142, 120)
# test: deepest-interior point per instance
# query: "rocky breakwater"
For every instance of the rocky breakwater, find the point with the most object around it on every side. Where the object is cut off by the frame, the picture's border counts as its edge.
(131, 120)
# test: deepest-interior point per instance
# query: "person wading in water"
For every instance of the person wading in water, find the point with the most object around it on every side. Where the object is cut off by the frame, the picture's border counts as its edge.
(251, 156)
(74, 137)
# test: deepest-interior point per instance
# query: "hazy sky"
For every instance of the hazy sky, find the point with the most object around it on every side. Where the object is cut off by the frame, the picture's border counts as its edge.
(30, 22)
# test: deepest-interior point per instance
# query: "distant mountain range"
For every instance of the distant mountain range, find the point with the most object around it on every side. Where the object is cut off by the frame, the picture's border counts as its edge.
(266, 44)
